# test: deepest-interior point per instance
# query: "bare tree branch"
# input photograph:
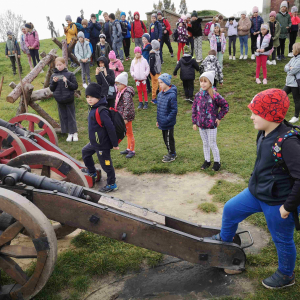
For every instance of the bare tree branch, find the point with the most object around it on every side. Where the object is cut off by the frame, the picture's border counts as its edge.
(9, 21)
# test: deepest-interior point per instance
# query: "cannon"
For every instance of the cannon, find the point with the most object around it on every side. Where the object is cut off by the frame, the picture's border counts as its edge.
(28, 201)
(17, 141)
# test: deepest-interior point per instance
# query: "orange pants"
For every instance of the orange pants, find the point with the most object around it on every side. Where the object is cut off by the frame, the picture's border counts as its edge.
(154, 80)
(130, 137)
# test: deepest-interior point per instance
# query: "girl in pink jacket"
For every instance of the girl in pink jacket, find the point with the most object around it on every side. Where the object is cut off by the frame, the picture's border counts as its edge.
(32, 42)
(140, 70)
(218, 43)
(115, 64)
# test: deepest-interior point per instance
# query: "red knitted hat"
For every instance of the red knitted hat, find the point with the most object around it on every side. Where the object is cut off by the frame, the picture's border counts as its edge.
(271, 105)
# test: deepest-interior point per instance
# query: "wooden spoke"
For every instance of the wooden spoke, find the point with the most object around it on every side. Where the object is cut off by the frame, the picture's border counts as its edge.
(13, 270)
(18, 251)
(10, 233)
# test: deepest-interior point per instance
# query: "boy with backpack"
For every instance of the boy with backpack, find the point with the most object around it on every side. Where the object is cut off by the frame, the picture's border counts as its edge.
(126, 29)
(102, 136)
(274, 185)
(117, 37)
(138, 28)
(155, 29)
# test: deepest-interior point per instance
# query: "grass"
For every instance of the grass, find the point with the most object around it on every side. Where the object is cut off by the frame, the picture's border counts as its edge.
(93, 255)
(208, 207)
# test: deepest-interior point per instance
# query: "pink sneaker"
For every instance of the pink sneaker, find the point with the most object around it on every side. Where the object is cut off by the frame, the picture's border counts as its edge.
(265, 81)
(258, 81)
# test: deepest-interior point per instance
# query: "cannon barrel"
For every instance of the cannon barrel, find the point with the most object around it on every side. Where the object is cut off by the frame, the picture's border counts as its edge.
(14, 128)
(11, 176)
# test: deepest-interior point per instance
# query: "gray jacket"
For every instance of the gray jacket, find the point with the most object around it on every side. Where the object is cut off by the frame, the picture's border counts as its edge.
(83, 51)
(116, 35)
(232, 29)
(290, 78)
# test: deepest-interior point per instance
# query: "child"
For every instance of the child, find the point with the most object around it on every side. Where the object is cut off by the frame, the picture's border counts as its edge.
(86, 31)
(294, 29)
(124, 105)
(115, 64)
(95, 30)
(117, 37)
(83, 53)
(140, 70)
(24, 48)
(207, 116)
(218, 43)
(138, 28)
(155, 29)
(190, 40)
(284, 20)
(102, 138)
(33, 43)
(166, 114)
(182, 37)
(232, 25)
(264, 48)
(70, 32)
(12, 46)
(155, 68)
(63, 84)
(127, 37)
(275, 32)
(107, 29)
(211, 63)
(256, 22)
(244, 26)
(187, 67)
(272, 189)
(102, 48)
(146, 54)
(106, 79)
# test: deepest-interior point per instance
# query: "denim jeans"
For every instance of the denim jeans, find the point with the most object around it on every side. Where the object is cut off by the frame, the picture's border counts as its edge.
(282, 230)
(244, 41)
(117, 47)
(220, 58)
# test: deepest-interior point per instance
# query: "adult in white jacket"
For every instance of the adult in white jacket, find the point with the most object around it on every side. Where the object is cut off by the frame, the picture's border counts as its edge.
(232, 25)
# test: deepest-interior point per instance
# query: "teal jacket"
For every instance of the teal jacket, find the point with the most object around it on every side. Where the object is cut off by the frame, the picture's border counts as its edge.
(83, 51)
(285, 21)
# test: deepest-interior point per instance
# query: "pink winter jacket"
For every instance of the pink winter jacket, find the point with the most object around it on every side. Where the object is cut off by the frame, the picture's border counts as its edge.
(118, 65)
(213, 43)
(139, 70)
(32, 39)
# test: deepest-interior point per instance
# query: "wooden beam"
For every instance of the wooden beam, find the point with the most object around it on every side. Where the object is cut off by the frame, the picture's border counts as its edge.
(28, 89)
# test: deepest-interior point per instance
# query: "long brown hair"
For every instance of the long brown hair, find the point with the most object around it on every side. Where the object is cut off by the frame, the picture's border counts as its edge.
(210, 89)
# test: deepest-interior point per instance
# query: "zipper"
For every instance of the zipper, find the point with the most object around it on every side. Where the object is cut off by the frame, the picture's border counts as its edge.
(258, 161)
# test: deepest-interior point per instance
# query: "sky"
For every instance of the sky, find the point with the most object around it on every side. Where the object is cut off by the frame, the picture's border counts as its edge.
(35, 11)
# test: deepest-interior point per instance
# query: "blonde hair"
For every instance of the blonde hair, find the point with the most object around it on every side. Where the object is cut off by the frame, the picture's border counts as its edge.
(61, 59)
(296, 47)
(219, 29)
(210, 89)
(84, 22)
(212, 52)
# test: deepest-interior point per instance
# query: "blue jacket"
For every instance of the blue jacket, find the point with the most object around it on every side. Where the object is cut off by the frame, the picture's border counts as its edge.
(167, 108)
(87, 32)
(95, 29)
(107, 30)
(128, 35)
(256, 24)
(156, 32)
(101, 138)
(146, 52)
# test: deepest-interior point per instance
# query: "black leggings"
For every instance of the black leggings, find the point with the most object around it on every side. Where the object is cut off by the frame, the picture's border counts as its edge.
(169, 140)
(280, 49)
(34, 53)
(293, 37)
(126, 46)
(232, 39)
(296, 96)
(188, 86)
(253, 42)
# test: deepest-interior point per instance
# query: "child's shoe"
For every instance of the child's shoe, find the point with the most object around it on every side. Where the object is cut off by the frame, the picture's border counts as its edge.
(172, 55)
(274, 62)
(127, 58)
(269, 62)
(69, 138)
(278, 281)
(294, 120)
(85, 85)
(253, 56)
(130, 154)
(75, 137)
(169, 154)
(125, 152)
(216, 166)
(279, 57)
(258, 81)
(140, 105)
(290, 54)
(242, 56)
(265, 81)
(230, 57)
(154, 101)
(233, 58)
(145, 105)
(205, 165)
(109, 188)
(169, 158)
(245, 57)
(282, 57)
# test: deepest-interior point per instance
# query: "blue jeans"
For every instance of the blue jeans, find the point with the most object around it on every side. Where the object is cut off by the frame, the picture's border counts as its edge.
(244, 41)
(117, 47)
(282, 230)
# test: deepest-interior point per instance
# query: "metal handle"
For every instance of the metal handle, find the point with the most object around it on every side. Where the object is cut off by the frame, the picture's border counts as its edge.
(251, 238)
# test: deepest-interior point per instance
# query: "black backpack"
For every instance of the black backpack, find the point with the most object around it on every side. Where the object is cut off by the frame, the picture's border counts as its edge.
(175, 35)
(124, 27)
(117, 120)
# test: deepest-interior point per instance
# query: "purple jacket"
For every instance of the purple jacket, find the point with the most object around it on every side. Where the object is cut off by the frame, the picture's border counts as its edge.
(182, 34)
(205, 110)
(32, 39)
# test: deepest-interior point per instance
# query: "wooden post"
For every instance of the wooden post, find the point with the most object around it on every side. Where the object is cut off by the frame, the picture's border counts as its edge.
(71, 46)
(28, 89)
(1, 84)
(77, 70)
(65, 51)
(43, 54)
(49, 73)
(59, 44)
(41, 94)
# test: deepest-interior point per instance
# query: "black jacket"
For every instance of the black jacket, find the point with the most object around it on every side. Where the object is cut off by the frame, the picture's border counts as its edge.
(61, 93)
(102, 138)
(196, 29)
(107, 81)
(269, 183)
(187, 66)
(261, 40)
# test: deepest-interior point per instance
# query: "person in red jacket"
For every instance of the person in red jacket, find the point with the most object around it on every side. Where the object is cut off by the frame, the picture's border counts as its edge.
(166, 27)
(138, 28)
(294, 29)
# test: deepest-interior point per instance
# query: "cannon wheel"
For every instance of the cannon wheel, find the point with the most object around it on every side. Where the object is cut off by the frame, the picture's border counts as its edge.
(53, 162)
(45, 127)
(44, 249)
(10, 145)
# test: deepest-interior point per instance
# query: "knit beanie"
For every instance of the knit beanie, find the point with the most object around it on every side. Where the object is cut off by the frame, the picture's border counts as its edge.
(244, 13)
(188, 16)
(154, 16)
(294, 9)
(272, 14)
(137, 49)
(284, 3)
(147, 36)
(271, 105)
(183, 17)
(93, 16)
(159, 13)
(194, 14)
(255, 9)
(265, 26)
(210, 76)
(80, 34)
(155, 44)
(102, 36)
(93, 90)
(187, 50)
(122, 14)
(112, 55)
(166, 78)
(68, 18)
(180, 20)
(9, 33)
(122, 78)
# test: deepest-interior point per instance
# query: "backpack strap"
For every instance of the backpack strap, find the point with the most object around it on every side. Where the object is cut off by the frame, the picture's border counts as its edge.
(97, 114)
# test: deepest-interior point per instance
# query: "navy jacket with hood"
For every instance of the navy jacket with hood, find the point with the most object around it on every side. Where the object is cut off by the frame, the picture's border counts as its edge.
(167, 108)
(101, 138)
(157, 33)
(187, 66)
(95, 29)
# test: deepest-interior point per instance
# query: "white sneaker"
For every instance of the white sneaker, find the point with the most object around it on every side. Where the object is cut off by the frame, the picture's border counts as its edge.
(265, 81)
(294, 120)
(75, 137)
(258, 81)
(69, 138)
(233, 58)
(290, 54)
(242, 56)
(269, 62)
(245, 56)
(253, 56)
(274, 62)
(85, 85)
(230, 57)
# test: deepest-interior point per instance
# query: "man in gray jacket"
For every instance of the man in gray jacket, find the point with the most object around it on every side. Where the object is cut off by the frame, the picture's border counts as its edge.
(117, 37)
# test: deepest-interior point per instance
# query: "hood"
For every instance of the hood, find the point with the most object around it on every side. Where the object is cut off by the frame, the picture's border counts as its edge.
(79, 20)
(101, 102)
(136, 13)
(105, 60)
(211, 58)
(130, 90)
(186, 60)
(172, 90)
(56, 71)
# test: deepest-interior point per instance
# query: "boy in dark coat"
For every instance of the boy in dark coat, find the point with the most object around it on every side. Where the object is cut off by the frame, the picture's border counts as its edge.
(187, 66)
(95, 30)
(102, 138)
(103, 48)
(196, 30)
(166, 114)
(106, 79)
(12, 46)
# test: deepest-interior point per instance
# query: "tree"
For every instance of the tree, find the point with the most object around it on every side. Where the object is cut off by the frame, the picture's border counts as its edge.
(165, 4)
(182, 7)
(9, 21)
(159, 6)
(173, 8)
(118, 14)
